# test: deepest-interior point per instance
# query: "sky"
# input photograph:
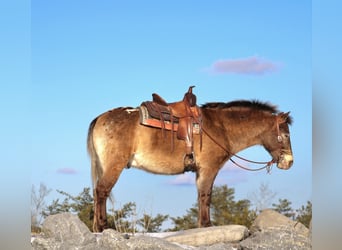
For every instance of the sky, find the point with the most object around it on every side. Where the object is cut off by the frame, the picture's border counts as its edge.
(91, 56)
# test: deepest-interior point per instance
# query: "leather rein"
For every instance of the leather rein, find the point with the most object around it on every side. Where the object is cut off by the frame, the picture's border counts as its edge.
(268, 164)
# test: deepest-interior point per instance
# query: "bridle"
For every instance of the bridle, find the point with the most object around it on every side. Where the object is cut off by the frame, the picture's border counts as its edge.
(267, 164)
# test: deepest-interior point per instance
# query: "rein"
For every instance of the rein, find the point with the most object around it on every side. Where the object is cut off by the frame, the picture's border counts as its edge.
(268, 164)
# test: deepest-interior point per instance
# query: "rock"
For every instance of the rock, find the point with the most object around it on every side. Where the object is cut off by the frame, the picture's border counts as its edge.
(111, 239)
(270, 219)
(147, 243)
(221, 246)
(210, 235)
(272, 230)
(276, 239)
(67, 231)
(64, 231)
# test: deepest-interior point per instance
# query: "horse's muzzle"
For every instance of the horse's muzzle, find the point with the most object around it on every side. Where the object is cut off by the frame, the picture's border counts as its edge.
(285, 161)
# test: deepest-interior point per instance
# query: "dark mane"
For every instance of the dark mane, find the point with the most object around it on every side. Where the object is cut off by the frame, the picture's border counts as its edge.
(253, 104)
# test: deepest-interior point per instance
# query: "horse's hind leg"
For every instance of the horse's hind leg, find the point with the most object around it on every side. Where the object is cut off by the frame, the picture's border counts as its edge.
(101, 193)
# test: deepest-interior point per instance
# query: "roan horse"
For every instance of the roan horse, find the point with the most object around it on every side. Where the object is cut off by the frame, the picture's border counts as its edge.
(117, 140)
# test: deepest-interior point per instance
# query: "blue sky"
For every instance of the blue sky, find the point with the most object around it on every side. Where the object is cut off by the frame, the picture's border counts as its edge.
(90, 56)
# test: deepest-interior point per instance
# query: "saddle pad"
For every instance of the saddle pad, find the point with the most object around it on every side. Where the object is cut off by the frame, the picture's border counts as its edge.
(154, 121)
(156, 110)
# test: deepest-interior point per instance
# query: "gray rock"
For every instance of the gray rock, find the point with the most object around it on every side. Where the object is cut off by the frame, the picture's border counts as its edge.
(210, 235)
(276, 239)
(269, 219)
(221, 246)
(64, 231)
(270, 231)
(111, 239)
(147, 243)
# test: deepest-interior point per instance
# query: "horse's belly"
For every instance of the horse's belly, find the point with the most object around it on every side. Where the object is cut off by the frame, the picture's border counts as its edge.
(156, 164)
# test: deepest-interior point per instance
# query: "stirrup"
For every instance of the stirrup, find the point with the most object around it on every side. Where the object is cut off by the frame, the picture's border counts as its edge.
(189, 162)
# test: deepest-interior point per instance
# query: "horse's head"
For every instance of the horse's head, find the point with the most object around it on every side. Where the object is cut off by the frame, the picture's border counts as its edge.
(278, 142)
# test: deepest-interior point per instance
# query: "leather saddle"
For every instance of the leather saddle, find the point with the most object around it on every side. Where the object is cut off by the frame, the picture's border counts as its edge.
(183, 117)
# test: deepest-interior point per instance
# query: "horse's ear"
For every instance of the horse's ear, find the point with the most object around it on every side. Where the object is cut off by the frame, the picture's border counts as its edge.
(283, 117)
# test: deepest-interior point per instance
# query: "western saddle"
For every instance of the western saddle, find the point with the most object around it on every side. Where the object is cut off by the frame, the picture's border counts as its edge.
(183, 117)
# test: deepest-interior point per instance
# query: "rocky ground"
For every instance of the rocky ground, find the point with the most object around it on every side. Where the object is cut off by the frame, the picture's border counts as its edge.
(270, 230)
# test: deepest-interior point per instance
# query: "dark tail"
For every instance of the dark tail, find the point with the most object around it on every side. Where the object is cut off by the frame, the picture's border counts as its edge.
(96, 169)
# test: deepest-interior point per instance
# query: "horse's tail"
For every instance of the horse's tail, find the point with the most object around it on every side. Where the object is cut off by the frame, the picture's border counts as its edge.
(96, 169)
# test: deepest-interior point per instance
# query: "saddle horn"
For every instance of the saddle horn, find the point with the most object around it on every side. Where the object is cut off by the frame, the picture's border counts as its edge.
(190, 97)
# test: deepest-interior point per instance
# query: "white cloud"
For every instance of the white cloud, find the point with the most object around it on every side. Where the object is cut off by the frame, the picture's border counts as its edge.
(183, 180)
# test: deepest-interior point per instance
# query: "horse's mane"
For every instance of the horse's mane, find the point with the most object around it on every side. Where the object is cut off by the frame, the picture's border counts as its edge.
(253, 104)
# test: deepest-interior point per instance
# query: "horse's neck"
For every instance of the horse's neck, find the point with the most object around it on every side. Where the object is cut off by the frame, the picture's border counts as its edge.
(242, 133)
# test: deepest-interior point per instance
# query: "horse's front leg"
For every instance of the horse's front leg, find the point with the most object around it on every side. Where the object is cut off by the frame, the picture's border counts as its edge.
(204, 199)
(204, 180)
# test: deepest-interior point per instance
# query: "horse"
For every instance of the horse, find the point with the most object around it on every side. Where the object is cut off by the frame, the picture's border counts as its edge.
(117, 140)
